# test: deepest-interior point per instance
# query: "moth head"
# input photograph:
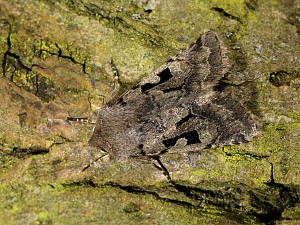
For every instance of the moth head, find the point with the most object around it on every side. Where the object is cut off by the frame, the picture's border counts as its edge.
(96, 139)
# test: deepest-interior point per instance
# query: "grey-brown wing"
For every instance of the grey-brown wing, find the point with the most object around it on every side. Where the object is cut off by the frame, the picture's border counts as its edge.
(175, 107)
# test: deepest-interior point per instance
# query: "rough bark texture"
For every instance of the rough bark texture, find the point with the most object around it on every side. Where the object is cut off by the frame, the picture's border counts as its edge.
(59, 60)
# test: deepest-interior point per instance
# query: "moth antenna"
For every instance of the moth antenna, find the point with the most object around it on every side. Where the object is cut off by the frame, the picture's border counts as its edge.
(116, 73)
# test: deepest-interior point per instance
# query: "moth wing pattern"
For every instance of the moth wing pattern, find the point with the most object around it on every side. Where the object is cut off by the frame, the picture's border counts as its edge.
(178, 107)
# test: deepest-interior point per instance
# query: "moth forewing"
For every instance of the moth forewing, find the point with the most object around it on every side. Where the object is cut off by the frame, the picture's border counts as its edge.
(177, 108)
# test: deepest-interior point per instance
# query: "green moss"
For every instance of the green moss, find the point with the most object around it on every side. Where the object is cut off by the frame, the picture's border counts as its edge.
(241, 162)
(281, 78)
(131, 207)
(43, 218)
(272, 140)
(90, 205)
(292, 213)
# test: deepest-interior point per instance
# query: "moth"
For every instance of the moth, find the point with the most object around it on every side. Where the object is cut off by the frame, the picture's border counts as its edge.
(179, 107)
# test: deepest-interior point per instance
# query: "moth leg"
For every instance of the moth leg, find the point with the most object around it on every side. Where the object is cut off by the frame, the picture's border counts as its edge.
(161, 167)
(94, 161)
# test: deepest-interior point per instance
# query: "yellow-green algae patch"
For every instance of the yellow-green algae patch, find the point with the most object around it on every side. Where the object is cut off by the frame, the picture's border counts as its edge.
(87, 205)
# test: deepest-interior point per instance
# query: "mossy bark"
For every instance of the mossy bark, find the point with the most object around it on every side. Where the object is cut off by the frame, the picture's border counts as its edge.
(58, 61)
